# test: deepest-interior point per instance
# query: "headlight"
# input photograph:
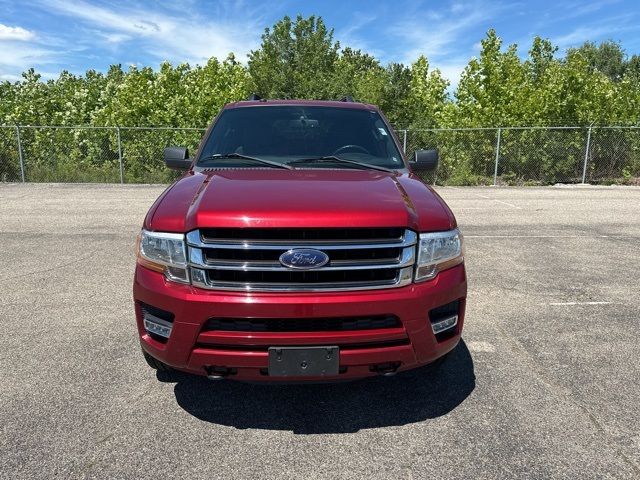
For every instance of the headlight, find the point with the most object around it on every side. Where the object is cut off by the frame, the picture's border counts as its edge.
(438, 251)
(164, 252)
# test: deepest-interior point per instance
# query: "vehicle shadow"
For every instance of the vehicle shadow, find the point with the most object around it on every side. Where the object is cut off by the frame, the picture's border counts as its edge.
(408, 397)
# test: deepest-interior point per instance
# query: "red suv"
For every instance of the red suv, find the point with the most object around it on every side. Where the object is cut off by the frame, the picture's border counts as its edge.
(299, 245)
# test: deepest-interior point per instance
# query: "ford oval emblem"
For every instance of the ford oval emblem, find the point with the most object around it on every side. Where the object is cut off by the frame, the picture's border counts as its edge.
(304, 258)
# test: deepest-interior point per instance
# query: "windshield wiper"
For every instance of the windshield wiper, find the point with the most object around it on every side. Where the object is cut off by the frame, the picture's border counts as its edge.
(224, 156)
(334, 159)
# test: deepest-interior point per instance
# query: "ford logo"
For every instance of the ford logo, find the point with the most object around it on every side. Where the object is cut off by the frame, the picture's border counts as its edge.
(304, 258)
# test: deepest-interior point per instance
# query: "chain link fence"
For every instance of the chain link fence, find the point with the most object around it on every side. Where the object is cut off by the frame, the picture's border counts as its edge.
(481, 156)
(531, 155)
(90, 154)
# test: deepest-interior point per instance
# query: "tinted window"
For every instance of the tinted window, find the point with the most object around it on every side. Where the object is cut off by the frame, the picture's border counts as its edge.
(286, 133)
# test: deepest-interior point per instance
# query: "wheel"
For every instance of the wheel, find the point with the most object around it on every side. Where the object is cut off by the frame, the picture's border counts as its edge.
(156, 364)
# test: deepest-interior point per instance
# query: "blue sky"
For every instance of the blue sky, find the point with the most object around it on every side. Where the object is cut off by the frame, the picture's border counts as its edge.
(51, 35)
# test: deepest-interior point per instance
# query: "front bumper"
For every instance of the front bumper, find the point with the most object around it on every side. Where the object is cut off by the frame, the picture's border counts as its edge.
(190, 349)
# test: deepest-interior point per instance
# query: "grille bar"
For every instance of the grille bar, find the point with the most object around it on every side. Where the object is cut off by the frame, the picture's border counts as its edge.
(194, 238)
(359, 259)
(264, 257)
(197, 259)
(301, 236)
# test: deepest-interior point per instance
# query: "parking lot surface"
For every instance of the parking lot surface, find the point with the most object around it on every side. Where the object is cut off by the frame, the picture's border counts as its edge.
(544, 385)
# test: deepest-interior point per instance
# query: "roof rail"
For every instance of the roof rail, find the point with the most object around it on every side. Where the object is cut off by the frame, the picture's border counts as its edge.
(347, 98)
(254, 97)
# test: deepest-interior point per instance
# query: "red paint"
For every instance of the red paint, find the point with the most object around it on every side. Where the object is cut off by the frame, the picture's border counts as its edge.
(299, 198)
(263, 197)
(193, 307)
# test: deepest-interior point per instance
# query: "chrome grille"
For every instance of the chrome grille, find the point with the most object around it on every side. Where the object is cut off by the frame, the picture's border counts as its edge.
(247, 259)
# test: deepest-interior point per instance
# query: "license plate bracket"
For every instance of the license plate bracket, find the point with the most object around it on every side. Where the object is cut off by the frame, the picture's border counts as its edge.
(304, 361)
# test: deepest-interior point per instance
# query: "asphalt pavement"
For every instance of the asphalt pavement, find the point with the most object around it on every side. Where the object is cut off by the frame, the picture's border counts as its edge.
(544, 385)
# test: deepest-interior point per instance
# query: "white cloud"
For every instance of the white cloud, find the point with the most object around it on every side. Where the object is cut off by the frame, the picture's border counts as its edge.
(451, 71)
(578, 35)
(21, 49)
(115, 37)
(179, 38)
(20, 56)
(350, 36)
(421, 35)
(23, 56)
(607, 28)
(10, 77)
(579, 8)
(15, 33)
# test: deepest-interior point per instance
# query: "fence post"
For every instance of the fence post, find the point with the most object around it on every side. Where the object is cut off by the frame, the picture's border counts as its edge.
(495, 169)
(404, 142)
(120, 156)
(586, 156)
(20, 153)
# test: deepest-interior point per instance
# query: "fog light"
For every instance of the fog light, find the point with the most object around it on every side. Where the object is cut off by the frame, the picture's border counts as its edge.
(156, 325)
(444, 324)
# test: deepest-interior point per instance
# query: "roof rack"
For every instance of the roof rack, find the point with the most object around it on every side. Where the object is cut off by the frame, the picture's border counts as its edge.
(347, 98)
(254, 97)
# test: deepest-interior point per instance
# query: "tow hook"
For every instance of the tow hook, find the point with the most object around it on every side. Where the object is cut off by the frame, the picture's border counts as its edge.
(219, 373)
(386, 369)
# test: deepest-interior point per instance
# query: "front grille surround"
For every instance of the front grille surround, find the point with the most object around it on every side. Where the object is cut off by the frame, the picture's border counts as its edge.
(247, 259)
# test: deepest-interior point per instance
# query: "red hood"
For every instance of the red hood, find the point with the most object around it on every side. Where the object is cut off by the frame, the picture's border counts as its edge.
(298, 198)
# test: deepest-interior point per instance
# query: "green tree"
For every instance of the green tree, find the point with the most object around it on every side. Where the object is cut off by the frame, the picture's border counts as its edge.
(211, 86)
(394, 94)
(632, 70)
(608, 58)
(493, 87)
(359, 75)
(8, 93)
(295, 60)
(427, 95)
(591, 84)
(541, 57)
(29, 101)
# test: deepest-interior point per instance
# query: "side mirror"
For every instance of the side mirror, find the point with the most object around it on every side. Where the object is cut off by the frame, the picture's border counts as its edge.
(425, 161)
(177, 158)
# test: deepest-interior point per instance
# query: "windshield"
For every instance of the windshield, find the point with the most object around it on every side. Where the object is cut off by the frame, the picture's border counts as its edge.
(301, 134)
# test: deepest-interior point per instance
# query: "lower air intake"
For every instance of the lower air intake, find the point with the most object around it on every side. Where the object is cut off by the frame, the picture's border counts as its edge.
(302, 324)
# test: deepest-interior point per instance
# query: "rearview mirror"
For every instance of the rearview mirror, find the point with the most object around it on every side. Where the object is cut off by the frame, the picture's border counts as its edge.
(177, 158)
(425, 161)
